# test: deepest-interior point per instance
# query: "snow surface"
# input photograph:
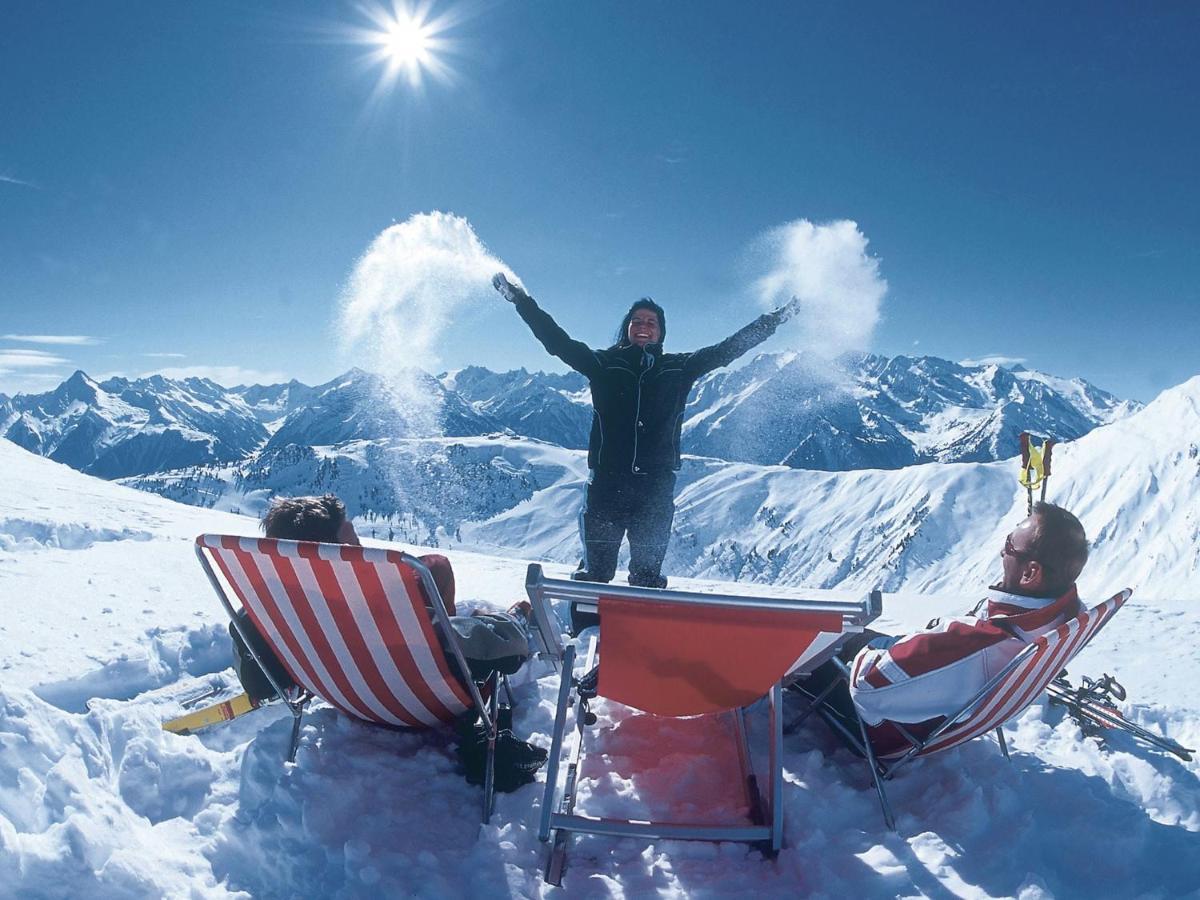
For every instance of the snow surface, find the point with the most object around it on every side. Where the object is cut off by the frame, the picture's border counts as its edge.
(108, 623)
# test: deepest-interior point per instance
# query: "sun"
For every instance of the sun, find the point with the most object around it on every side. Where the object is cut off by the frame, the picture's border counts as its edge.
(406, 42)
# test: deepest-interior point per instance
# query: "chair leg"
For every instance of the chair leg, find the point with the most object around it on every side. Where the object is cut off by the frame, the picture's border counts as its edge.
(1003, 742)
(556, 741)
(888, 818)
(556, 863)
(776, 763)
(816, 701)
(754, 801)
(294, 744)
(489, 774)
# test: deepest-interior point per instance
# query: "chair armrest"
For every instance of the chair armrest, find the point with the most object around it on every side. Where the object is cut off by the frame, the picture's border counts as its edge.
(544, 626)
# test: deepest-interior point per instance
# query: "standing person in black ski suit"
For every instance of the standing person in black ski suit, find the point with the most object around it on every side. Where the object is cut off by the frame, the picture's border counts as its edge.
(638, 396)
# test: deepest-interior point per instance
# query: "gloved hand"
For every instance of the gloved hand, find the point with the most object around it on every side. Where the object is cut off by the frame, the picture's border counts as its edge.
(509, 291)
(789, 309)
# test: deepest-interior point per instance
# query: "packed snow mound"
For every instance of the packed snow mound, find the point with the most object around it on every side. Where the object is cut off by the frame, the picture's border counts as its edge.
(18, 533)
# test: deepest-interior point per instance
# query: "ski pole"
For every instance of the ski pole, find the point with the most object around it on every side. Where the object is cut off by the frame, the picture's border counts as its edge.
(1035, 466)
(1078, 706)
(1023, 478)
(1047, 449)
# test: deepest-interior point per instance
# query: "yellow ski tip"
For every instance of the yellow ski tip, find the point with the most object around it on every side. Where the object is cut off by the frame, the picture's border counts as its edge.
(211, 715)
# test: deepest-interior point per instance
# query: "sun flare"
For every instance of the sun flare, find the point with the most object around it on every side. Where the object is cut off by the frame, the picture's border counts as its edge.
(406, 42)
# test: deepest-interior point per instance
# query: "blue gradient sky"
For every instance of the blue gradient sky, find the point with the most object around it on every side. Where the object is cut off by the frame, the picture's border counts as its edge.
(199, 179)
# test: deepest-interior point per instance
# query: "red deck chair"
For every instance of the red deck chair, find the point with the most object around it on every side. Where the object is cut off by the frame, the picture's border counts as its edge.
(352, 626)
(1004, 697)
(673, 653)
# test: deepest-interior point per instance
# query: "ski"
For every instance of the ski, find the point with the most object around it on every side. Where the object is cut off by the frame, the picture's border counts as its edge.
(212, 689)
(1090, 705)
(224, 711)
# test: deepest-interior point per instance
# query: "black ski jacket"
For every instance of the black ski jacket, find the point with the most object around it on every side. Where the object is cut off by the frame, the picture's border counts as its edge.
(638, 395)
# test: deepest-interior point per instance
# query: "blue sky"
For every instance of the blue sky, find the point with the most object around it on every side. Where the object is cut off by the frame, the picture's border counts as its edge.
(188, 186)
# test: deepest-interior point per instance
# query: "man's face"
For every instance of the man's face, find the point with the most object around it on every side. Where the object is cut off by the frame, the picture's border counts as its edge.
(346, 533)
(1022, 573)
(644, 328)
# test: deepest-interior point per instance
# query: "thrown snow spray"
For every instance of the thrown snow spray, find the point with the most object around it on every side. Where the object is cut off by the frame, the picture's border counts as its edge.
(838, 284)
(402, 298)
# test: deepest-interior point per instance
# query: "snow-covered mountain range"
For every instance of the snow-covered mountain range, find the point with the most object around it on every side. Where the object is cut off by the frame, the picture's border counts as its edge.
(868, 412)
(1134, 483)
(872, 412)
(121, 427)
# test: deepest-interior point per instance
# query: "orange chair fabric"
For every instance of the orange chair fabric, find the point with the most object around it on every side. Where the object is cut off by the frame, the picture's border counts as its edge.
(673, 659)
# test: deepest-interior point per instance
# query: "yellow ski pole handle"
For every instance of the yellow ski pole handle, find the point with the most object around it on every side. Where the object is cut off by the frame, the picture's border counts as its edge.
(212, 715)
(1033, 472)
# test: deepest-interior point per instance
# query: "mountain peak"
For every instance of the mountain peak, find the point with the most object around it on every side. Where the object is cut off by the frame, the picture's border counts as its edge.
(79, 387)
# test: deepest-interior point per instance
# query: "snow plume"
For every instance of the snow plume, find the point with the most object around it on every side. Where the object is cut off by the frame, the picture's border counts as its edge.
(828, 268)
(402, 298)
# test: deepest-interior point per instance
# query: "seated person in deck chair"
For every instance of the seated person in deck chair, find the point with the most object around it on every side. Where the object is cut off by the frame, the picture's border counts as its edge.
(491, 642)
(919, 679)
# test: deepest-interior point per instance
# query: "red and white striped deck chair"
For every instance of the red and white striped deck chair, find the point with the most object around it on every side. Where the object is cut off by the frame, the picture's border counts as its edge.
(1004, 697)
(676, 653)
(362, 628)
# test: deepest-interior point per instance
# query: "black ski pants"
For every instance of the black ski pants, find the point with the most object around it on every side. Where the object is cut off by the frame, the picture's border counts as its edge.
(616, 505)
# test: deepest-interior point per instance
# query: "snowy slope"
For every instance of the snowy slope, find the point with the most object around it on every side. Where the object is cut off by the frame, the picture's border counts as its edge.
(108, 621)
(413, 489)
(90, 570)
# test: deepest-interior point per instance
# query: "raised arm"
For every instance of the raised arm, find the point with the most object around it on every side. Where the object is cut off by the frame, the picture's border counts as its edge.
(722, 354)
(576, 354)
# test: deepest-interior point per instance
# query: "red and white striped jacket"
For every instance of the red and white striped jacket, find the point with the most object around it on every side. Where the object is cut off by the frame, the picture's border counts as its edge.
(921, 678)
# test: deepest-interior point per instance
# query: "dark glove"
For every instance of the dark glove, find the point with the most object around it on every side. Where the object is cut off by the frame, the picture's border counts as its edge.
(509, 291)
(789, 309)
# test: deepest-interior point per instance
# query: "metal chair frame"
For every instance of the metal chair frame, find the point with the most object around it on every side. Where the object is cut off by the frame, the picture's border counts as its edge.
(559, 820)
(298, 698)
(882, 770)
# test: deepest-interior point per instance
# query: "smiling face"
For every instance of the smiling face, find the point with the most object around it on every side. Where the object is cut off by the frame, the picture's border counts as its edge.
(644, 328)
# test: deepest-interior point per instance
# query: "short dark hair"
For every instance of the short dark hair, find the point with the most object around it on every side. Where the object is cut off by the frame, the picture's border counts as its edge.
(644, 303)
(1060, 545)
(305, 519)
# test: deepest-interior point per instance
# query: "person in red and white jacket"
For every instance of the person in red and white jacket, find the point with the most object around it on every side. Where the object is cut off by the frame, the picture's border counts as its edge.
(919, 679)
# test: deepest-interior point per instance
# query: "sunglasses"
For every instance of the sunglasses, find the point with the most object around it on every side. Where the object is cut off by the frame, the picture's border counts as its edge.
(1010, 550)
